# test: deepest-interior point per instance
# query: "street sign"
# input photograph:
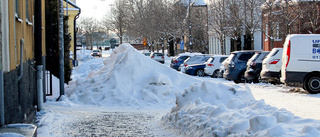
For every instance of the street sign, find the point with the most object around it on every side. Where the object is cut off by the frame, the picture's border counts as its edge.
(181, 44)
(144, 41)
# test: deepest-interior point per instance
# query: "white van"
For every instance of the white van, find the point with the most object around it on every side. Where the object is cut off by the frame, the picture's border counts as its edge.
(271, 66)
(301, 62)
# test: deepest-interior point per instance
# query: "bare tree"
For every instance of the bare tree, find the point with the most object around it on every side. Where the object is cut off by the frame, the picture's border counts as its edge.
(309, 16)
(119, 18)
(250, 17)
(88, 26)
(217, 20)
(270, 21)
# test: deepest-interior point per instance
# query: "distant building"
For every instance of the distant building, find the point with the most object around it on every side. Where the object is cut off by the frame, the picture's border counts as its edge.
(220, 41)
(281, 18)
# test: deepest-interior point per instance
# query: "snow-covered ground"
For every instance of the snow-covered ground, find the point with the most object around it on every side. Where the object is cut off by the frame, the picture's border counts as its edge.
(128, 94)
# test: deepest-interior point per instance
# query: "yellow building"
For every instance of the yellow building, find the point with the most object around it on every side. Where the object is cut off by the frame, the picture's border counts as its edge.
(73, 11)
(20, 26)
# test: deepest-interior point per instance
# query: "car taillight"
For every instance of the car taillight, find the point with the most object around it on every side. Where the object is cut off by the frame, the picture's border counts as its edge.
(152, 56)
(275, 61)
(210, 65)
(288, 53)
(176, 61)
(253, 64)
(185, 65)
(162, 57)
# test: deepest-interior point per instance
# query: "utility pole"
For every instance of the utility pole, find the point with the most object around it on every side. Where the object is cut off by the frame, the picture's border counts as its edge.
(61, 48)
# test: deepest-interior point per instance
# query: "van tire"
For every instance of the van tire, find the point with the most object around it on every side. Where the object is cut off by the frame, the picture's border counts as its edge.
(312, 83)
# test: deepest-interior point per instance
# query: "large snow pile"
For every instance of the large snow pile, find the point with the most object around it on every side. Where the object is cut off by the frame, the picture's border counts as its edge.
(128, 78)
(218, 110)
(202, 108)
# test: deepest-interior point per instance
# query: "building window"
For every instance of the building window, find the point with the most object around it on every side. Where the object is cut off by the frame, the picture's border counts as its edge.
(27, 9)
(28, 12)
(17, 8)
(276, 32)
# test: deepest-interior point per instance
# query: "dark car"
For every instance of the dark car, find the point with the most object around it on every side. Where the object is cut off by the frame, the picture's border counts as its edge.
(178, 60)
(236, 65)
(195, 69)
(254, 67)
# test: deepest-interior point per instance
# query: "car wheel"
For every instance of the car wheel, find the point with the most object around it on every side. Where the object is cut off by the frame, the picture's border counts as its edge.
(200, 72)
(258, 79)
(241, 78)
(215, 74)
(312, 84)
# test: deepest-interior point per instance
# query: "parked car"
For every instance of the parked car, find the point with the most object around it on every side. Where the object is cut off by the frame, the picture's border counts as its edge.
(213, 65)
(157, 57)
(196, 69)
(271, 66)
(236, 65)
(146, 53)
(96, 52)
(178, 60)
(197, 59)
(254, 67)
(301, 62)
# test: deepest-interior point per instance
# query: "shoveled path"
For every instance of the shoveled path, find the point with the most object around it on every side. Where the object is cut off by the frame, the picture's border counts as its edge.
(100, 122)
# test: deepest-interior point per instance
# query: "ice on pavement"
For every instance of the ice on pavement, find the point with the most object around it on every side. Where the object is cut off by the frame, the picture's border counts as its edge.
(200, 108)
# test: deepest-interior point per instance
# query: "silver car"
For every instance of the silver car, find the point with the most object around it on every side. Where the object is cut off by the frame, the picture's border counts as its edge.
(157, 57)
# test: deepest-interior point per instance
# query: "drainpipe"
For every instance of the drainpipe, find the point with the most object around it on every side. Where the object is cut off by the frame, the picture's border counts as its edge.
(21, 59)
(61, 49)
(2, 99)
(38, 52)
(75, 34)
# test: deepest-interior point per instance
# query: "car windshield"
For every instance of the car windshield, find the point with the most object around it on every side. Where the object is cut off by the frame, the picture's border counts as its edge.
(272, 53)
(147, 54)
(263, 55)
(210, 60)
(157, 54)
(183, 57)
(195, 58)
(245, 57)
(255, 56)
(222, 59)
(231, 57)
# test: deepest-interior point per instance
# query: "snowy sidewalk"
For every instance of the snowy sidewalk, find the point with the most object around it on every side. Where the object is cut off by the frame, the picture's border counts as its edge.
(97, 121)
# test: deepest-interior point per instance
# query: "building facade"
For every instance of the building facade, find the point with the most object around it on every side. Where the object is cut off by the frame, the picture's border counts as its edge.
(281, 18)
(231, 27)
(22, 49)
(72, 11)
